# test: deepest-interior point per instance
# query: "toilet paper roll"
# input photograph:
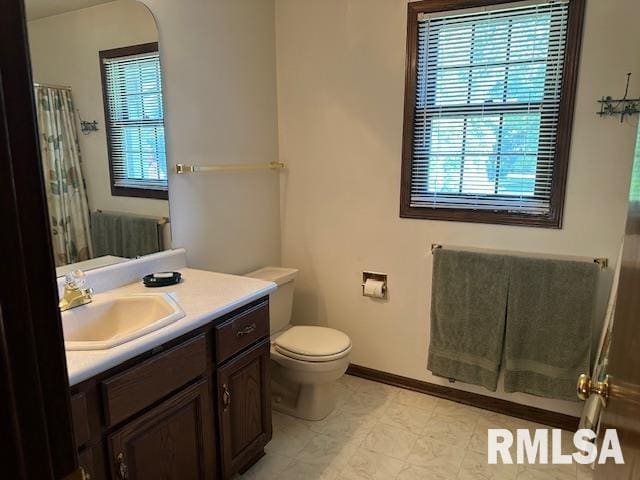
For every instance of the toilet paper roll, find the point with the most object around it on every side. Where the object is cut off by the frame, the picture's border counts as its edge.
(374, 288)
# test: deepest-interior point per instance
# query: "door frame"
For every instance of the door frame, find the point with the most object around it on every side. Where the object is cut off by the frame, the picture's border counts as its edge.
(34, 393)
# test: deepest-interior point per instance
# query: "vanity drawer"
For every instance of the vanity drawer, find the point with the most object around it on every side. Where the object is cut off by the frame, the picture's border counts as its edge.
(241, 331)
(140, 386)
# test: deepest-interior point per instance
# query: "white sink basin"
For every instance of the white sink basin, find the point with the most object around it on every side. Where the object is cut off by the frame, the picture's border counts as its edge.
(105, 324)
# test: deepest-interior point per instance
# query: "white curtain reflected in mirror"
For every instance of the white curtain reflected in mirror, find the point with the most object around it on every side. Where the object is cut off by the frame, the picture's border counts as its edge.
(64, 180)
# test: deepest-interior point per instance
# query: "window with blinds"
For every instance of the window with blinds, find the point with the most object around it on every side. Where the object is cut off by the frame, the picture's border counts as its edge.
(132, 87)
(487, 112)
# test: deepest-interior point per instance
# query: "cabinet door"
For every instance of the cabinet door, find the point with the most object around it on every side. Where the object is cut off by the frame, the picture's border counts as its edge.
(91, 460)
(244, 408)
(171, 441)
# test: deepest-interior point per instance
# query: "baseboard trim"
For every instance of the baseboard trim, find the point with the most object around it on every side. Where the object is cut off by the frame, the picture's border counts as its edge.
(533, 414)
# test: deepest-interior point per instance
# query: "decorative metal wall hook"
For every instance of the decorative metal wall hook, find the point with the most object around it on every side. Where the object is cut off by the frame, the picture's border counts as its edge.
(87, 127)
(620, 106)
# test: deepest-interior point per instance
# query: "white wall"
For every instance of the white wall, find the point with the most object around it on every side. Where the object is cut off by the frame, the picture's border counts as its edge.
(64, 51)
(218, 59)
(340, 102)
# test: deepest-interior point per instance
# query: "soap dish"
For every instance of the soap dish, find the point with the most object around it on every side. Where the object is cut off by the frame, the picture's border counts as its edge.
(161, 279)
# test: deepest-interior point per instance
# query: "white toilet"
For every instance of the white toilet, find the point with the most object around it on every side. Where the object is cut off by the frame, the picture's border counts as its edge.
(306, 360)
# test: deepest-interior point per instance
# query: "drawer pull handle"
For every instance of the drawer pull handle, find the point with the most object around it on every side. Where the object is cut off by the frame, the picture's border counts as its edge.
(246, 330)
(123, 471)
(226, 398)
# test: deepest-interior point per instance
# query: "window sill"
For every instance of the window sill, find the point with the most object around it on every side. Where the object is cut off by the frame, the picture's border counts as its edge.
(139, 193)
(552, 220)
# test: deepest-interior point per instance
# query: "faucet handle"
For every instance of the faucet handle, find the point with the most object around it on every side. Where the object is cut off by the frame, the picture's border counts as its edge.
(75, 292)
(75, 279)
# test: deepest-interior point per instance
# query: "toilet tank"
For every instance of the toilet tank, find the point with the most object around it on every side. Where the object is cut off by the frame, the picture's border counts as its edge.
(280, 301)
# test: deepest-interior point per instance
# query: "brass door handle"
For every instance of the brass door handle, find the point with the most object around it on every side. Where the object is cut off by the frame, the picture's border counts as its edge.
(246, 330)
(586, 387)
(226, 398)
(123, 471)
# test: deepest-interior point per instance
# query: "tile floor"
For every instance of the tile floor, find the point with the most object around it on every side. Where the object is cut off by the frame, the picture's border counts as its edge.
(379, 432)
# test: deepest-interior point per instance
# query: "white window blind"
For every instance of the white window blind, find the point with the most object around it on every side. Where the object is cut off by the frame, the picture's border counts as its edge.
(486, 111)
(133, 92)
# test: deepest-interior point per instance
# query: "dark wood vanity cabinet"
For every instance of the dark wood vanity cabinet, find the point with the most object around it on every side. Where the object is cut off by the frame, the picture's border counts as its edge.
(171, 441)
(196, 408)
(92, 461)
(244, 418)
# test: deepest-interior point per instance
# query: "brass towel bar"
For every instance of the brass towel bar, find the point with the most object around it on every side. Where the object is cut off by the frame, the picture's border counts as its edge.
(51, 85)
(602, 262)
(239, 167)
(161, 220)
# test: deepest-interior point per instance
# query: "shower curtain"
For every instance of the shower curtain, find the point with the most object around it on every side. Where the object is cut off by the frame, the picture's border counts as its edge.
(64, 182)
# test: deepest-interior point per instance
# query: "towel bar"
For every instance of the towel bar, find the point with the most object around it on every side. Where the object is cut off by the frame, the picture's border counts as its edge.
(603, 262)
(161, 220)
(240, 167)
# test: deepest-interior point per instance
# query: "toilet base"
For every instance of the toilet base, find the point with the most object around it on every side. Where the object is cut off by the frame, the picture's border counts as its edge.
(305, 389)
(308, 402)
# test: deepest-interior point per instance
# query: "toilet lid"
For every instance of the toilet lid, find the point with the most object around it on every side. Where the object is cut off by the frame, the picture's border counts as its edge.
(309, 341)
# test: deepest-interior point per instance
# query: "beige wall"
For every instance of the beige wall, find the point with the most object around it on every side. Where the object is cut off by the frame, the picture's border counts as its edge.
(218, 59)
(64, 51)
(340, 101)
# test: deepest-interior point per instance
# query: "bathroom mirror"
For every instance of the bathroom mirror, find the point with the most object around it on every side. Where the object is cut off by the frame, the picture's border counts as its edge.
(98, 90)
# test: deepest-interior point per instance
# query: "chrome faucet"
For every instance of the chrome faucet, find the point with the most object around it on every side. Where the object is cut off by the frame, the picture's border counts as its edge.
(75, 293)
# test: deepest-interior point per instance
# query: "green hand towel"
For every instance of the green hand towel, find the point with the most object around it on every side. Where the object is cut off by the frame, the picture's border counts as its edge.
(548, 334)
(139, 236)
(468, 307)
(106, 234)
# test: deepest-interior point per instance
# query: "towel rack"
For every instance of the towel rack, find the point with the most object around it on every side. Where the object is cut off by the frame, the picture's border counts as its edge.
(51, 85)
(603, 262)
(161, 220)
(240, 167)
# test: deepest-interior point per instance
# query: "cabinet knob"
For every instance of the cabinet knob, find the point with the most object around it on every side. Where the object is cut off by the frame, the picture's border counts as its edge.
(123, 471)
(226, 398)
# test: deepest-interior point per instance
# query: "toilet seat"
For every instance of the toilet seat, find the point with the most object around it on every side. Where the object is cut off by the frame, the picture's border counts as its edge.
(313, 344)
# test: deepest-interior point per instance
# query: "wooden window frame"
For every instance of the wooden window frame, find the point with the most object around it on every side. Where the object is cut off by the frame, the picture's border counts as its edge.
(565, 122)
(117, 191)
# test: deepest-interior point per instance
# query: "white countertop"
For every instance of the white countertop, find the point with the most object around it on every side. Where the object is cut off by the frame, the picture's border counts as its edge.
(202, 295)
(97, 262)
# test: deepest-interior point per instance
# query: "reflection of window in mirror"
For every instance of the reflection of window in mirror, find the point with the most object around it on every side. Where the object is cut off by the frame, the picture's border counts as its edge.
(132, 90)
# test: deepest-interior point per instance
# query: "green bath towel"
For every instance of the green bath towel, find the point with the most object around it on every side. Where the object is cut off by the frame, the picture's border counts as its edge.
(106, 234)
(139, 236)
(468, 307)
(548, 334)
(124, 235)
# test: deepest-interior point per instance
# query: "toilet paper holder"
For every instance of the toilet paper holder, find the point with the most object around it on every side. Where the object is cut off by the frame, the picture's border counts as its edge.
(382, 277)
